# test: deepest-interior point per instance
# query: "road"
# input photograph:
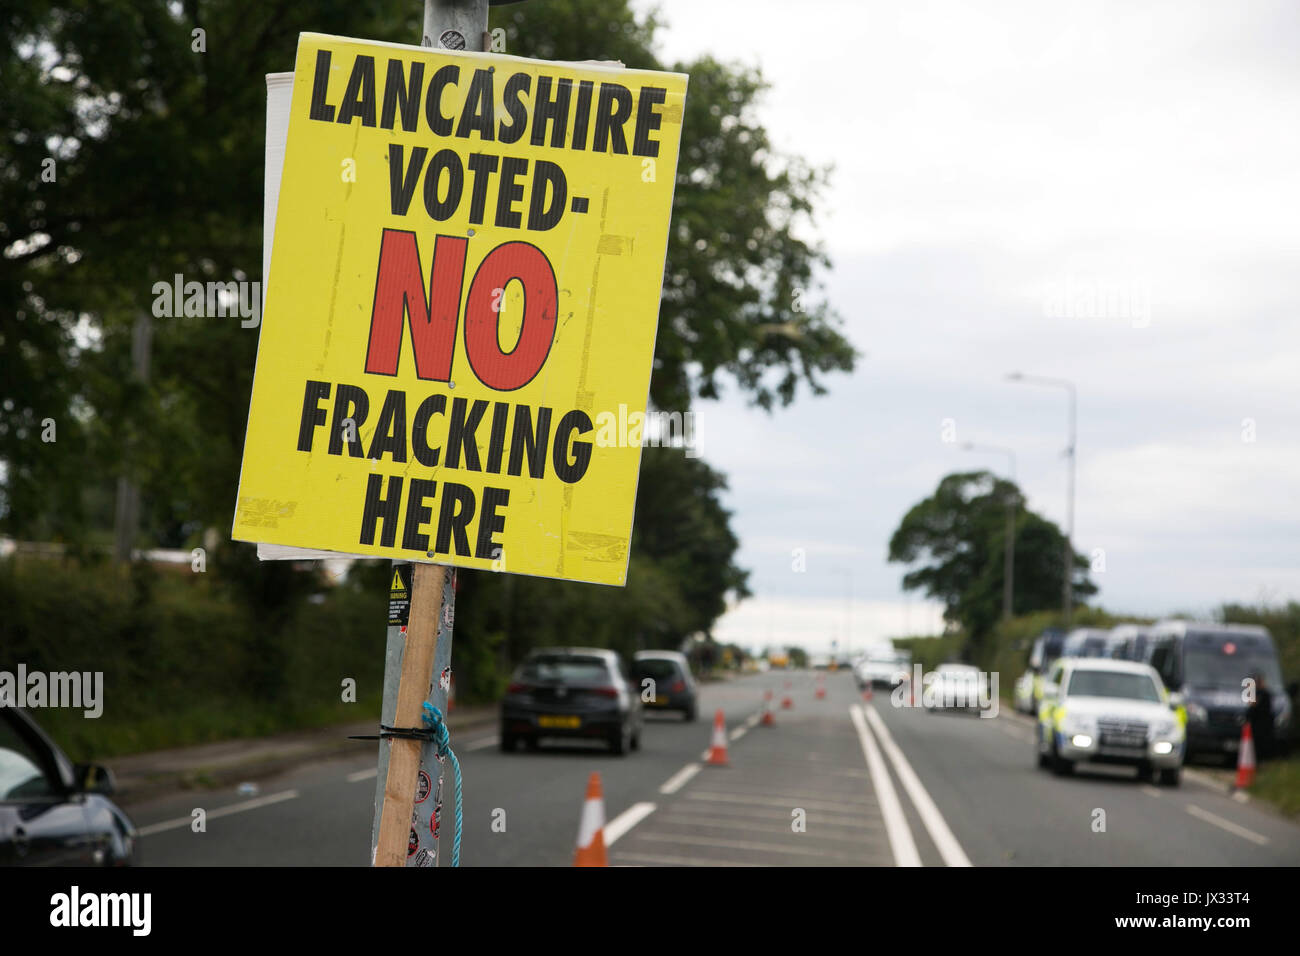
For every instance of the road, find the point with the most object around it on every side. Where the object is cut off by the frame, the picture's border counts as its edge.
(835, 782)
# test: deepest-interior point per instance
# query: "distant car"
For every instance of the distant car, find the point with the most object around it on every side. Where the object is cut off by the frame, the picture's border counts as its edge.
(1107, 711)
(54, 812)
(1128, 642)
(955, 687)
(1046, 649)
(573, 693)
(881, 668)
(674, 687)
(1022, 693)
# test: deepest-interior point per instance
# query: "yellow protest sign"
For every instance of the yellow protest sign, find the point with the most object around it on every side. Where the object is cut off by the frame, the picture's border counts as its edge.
(465, 279)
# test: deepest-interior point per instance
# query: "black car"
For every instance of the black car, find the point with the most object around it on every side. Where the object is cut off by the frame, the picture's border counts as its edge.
(54, 812)
(573, 693)
(673, 686)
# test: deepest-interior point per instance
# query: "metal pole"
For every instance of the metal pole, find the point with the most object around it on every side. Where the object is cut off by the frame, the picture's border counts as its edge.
(453, 25)
(1067, 586)
(1009, 551)
(126, 512)
(1069, 520)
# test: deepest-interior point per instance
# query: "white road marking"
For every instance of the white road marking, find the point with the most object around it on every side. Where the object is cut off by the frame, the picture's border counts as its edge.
(367, 774)
(659, 860)
(739, 732)
(626, 820)
(1241, 796)
(679, 779)
(753, 719)
(943, 837)
(900, 836)
(816, 851)
(1150, 791)
(1228, 825)
(750, 826)
(219, 812)
(758, 817)
(767, 801)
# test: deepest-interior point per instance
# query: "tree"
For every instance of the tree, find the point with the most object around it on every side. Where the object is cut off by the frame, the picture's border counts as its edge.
(158, 151)
(958, 537)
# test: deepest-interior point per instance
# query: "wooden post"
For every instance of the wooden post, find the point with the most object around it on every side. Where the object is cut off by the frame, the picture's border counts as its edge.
(413, 652)
(404, 755)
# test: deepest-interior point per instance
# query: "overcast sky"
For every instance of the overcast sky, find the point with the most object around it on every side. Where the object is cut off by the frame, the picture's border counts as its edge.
(996, 163)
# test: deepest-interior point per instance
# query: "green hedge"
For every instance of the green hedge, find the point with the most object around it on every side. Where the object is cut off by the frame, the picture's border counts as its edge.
(185, 662)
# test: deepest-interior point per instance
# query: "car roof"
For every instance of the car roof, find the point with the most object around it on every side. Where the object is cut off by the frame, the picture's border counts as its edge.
(1181, 627)
(659, 655)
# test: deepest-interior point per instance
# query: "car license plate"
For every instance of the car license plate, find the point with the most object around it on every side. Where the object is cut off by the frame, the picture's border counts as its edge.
(557, 722)
(658, 701)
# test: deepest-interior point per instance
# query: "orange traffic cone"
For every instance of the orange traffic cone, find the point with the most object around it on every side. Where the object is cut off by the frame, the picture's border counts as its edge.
(591, 830)
(787, 702)
(718, 750)
(821, 687)
(1245, 759)
(768, 719)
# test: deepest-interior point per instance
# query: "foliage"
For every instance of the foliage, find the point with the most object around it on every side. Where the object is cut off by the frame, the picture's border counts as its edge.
(957, 536)
(183, 662)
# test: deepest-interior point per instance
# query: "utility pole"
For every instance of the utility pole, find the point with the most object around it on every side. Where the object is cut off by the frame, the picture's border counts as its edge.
(1067, 596)
(1013, 505)
(418, 654)
(126, 512)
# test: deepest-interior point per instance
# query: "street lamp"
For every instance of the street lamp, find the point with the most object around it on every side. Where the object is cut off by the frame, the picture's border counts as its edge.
(1008, 552)
(1068, 588)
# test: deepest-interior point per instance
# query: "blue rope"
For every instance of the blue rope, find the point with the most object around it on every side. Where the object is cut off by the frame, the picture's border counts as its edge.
(432, 719)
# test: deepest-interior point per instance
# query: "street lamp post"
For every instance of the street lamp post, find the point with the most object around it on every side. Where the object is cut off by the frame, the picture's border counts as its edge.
(1068, 587)
(1013, 503)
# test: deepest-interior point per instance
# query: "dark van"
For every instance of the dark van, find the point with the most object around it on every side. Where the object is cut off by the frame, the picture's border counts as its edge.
(1206, 666)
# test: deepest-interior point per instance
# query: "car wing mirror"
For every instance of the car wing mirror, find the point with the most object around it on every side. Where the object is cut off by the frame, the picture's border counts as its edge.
(95, 778)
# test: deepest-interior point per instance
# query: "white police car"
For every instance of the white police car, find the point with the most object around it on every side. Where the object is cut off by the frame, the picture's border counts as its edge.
(1108, 711)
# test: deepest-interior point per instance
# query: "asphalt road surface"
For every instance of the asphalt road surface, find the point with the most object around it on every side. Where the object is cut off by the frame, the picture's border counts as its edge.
(835, 782)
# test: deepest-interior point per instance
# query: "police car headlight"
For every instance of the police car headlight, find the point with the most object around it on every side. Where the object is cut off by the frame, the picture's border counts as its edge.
(1163, 747)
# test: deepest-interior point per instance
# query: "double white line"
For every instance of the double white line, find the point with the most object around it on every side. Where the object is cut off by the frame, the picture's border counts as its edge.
(891, 808)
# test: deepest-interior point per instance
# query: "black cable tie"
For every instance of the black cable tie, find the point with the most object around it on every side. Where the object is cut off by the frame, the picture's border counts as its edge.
(398, 733)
